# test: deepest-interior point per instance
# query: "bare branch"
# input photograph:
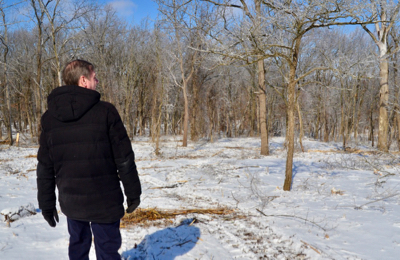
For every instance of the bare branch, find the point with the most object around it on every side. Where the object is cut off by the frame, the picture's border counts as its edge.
(291, 216)
(310, 72)
(225, 5)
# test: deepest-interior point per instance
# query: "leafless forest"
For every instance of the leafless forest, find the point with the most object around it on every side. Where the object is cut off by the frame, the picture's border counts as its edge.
(323, 69)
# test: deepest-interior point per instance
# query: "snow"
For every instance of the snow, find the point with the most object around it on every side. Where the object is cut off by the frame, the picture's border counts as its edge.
(343, 205)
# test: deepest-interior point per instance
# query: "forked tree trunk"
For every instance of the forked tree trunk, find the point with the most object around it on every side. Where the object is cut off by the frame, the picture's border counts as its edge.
(384, 23)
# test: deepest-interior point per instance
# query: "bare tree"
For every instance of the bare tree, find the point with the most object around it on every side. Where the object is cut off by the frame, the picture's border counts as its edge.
(384, 15)
(4, 40)
(395, 75)
(276, 29)
(254, 53)
(183, 29)
(39, 20)
(60, 16)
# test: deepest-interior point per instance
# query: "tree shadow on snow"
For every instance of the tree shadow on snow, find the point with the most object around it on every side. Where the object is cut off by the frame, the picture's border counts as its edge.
(166, 244)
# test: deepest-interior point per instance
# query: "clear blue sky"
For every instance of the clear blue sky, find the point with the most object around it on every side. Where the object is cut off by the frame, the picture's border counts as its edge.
(133, 11)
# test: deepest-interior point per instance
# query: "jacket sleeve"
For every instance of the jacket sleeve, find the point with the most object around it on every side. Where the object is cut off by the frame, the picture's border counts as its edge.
(46, 182)
(124, 156)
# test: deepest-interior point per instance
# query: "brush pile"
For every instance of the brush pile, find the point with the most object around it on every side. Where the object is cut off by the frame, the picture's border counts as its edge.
(145, 216)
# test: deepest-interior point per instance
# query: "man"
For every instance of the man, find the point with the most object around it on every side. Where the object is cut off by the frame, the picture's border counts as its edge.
(85, 151)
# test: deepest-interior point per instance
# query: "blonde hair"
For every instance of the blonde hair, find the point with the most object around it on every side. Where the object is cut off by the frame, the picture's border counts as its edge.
(75, 69)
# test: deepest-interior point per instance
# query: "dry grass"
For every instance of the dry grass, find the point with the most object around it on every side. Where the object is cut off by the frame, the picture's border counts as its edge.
(154, 216)
(31, 156)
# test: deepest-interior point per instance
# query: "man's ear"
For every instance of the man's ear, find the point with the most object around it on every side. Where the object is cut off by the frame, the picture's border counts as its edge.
(82, 82)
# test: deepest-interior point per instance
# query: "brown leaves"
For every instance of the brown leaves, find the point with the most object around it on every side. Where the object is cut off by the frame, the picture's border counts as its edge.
(336, 192)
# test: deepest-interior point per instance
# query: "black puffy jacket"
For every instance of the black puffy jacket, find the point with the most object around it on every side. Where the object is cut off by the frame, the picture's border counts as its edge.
(85, 151)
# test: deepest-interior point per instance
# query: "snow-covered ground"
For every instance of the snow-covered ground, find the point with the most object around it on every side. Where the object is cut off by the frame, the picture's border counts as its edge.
(343, 205)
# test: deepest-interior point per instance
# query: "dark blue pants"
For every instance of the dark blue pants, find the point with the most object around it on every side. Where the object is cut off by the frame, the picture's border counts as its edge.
(107, 240)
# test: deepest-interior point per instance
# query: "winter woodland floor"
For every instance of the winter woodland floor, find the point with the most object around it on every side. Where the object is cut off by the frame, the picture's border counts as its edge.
(343, 204)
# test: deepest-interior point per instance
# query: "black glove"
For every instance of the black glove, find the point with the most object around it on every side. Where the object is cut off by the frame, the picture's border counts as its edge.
(50, 216)
(132, 204)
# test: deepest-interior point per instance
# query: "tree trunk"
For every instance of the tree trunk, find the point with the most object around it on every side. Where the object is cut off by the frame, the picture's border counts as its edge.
(383, 107)
(253, 108)
(39, 95)
(290, 128)
(317, 125)
(355, 111)
(301, 134)
(398, 127)
(8, 98)
(194, 125)
(343, 116)
(7, 112)
(372, 128)
(326, 126)
(186, 113)
(263, 109)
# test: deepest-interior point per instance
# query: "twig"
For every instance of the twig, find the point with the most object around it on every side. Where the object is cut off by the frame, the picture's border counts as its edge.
(181, 244)
(375, 167)
(244, 167)
(3, 247)
(393, 195)
(169, 186)
(291, 216)
(216, 153)
(155, 167)
(313, 248)
(386, 175)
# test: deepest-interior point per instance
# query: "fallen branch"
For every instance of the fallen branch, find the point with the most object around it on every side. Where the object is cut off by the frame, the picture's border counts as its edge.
(216, 153)
(313, 248)
(155, 167)
(387, 175)
(360, 207)
(169, 186)
(292, 216)
(244, 167)
(240, 148)
(378, 169)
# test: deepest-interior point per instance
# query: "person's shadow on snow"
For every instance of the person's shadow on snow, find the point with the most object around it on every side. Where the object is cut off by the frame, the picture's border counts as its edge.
(166, 244)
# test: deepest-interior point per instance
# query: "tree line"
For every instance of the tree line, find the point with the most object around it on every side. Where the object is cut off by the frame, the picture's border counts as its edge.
(323, 69)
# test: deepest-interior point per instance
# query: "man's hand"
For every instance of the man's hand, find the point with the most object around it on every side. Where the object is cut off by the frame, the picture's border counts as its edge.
(51, 216)
(132, 204)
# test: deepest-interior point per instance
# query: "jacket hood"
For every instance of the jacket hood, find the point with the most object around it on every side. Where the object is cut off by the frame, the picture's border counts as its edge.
(68, 103)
